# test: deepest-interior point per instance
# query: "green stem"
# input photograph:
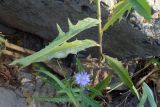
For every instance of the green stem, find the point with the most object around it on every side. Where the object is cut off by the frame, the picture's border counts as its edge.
(100, 33)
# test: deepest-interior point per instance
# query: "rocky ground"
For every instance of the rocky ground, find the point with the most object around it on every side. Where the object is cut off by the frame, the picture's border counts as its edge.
(16, 89)
(18, 86)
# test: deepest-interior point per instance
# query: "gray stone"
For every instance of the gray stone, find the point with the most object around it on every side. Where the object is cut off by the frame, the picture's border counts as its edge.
(127, 42)
(10, 99)
(40, 17)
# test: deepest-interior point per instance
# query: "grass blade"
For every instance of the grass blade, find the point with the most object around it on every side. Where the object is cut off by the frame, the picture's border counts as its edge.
(150, 96)
(118, 11)
(100, 86)
(142, 100)
(142, 7)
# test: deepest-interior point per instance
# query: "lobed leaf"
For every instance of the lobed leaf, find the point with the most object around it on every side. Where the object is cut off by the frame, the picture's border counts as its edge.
(58, 52)
(54, 49)
(122, 73)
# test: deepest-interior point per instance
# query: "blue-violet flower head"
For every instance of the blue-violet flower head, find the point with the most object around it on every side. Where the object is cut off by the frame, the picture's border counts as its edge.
(82, 78)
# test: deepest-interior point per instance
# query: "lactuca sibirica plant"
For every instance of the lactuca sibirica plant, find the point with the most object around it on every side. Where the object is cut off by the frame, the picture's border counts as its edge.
(60, 48)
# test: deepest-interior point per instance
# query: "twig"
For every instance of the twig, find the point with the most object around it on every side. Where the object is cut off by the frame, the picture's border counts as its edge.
(18, 48)
(135, 74)
(15, 47)
(12, 54)
(145, 77)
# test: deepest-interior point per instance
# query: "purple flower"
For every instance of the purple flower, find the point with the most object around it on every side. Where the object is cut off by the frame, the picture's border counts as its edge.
(82, 78)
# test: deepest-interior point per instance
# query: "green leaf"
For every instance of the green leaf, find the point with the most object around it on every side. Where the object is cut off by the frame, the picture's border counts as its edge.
(61, 99)
(122, 73)
(47, 52)
(142, 7)
(115, 86)
(46, 79)
(148, 91)
(155, 61)
(118, 11)
(67, 90)
(101, 85)
(90, 102)
(58, 52)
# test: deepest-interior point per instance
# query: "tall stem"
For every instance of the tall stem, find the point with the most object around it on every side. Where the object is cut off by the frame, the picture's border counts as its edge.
(100, 33)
